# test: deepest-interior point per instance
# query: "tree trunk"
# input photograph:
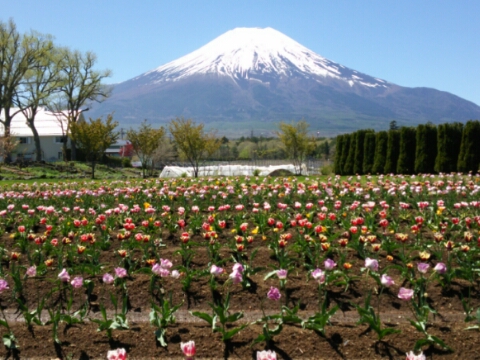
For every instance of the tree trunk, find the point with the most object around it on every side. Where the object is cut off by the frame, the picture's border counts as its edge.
(73, 154)
(93, 169)
(36, 140)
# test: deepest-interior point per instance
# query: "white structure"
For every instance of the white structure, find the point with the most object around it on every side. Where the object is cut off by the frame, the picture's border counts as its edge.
(49, 127)
(226, 170)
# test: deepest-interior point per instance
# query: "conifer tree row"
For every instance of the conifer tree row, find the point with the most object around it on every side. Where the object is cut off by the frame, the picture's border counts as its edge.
(428, 148)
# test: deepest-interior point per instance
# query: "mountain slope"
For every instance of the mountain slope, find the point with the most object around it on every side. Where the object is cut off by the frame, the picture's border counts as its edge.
(249, 78)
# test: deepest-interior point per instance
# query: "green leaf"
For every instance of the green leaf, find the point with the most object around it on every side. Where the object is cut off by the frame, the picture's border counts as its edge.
(229, 334)
(203, 316)
(439, 341)
(160, 335)
(9, 341)
(234, 317)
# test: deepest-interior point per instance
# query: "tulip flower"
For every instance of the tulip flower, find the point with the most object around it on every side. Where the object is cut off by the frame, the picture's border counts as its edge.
(266, 355)
(107, 278)
(330, 264)
(119, 354)
(405, 294)
(274, 294)
(77, 282)
(411, 356)
(282, 274)
(423, 267)
(120, 272)
(371, 264)
(31, 271)
(215, 270)
(188, 349)
(386, 280)
(319, 275)
(3, 285)
(440, 268)
(64, 276)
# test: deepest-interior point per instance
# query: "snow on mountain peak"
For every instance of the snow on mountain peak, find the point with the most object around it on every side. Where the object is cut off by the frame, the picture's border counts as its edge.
(247, 52)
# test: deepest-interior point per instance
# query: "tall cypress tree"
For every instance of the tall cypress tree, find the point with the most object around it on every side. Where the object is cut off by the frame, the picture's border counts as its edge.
(368, 152)
(338, 154)
(393, 142)
(426, 149)
(449, 139)
(359, 152)
(345, 151)
(349, 163)
(406, 156)
(469, 157)
(381, 140)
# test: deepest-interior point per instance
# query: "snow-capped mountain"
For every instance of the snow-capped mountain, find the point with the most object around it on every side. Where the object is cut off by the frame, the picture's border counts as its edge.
(249, 78)
(249, 53)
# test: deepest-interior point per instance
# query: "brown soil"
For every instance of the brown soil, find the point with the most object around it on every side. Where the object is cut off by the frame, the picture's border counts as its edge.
(343, 340)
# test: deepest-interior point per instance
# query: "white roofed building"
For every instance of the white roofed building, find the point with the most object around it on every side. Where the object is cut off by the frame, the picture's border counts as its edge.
(51, 128)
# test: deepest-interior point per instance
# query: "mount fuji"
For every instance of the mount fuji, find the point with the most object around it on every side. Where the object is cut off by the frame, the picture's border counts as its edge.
(251, 78)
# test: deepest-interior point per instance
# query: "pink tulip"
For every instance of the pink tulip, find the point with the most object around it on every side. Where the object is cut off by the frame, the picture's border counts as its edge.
(423, 267)
(330, 264)
(411, 356)
(119, 354)
(236, 277)
(319, 275)
(64, 276)
(120, 272)
(215, 270)
(266, 355)
(238, 267)
(189, 349)
(77, 282)
(31, 271)
(274, 294)
(440, 268)
(371, 264)
(282, 274)
(405, 294)
(158, 270)
(107, 278)
(386, 281)
(3, 285)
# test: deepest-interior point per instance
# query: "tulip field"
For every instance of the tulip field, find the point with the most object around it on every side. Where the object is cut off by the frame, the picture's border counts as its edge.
(242, 268)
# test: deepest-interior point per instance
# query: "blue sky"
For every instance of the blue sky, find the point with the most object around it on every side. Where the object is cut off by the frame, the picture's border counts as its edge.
(430, 43)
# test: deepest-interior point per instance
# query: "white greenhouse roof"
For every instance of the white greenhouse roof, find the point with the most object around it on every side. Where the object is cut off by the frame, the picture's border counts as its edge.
(47, 123)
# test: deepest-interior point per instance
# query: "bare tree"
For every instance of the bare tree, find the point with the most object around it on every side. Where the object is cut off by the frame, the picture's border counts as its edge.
(39, 84)
(18, 55)
(80, 85)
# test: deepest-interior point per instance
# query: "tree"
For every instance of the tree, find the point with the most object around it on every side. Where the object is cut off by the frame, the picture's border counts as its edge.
(381, 140)
(7, 146)
(393, 142)
(347, 139)
(393, 125)
(18, 55)
(368, 152)
(340, 145)
(449, 139)
(296, 142)
(80, 84)
(426, 149)
(406, 156)
(192, 142)
(39, 83)
(94, 137)
(469, 157)
(350, 159)
(359, 151)
(126, 150)
(145, 141)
